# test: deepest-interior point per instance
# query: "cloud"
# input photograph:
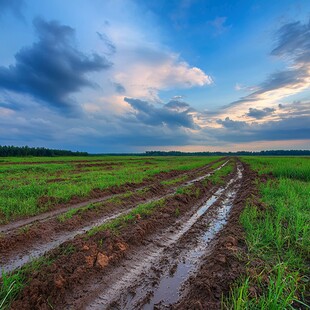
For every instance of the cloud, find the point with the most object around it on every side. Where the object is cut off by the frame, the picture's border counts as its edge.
(219, 25)
(52, 68)
(259, 114)
(293, 43)
(231, 124)
(148, 69)
(111, 48)
(174, 114)
(13, 6)
(119, 88)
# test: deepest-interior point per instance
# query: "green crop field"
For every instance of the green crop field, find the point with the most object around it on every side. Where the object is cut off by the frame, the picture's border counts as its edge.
(29, 186)
(278, 236)
(44, 254)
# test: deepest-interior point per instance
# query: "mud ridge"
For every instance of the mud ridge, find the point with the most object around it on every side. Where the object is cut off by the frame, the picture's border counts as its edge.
(224, 264)
(98, 195)
(18, 249)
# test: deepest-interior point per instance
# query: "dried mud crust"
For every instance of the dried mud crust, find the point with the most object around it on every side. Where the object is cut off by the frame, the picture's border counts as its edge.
(222, 267)
(93, 257)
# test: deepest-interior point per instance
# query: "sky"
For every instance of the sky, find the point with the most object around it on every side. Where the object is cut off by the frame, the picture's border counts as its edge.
(136, 75)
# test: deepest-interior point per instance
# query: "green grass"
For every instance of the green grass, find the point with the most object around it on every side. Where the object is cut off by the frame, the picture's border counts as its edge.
(142, 210)
(23, 185)
(174, 181)
(11, 284)
(218, 177)
(278, 236)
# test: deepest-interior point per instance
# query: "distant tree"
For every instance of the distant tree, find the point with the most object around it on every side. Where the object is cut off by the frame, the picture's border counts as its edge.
(16, 151)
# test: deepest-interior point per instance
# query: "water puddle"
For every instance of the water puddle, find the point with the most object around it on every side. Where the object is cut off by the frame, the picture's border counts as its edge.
(168, 289)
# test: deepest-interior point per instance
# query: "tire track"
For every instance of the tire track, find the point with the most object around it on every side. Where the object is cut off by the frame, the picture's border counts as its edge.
(10, 227)
(38, 249)
(133, 282)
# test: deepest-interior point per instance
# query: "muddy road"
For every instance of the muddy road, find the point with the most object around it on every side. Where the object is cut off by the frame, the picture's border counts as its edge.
(159, 270)
(152, 260)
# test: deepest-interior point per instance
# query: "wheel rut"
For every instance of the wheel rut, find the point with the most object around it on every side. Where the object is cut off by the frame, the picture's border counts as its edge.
(155, 274)
(15, 225)
(23, 252)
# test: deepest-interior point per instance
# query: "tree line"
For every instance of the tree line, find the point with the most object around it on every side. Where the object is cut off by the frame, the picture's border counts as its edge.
(20, 151)
(238, 153)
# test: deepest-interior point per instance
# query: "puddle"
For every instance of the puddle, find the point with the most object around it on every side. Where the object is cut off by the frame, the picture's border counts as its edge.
(168, 290)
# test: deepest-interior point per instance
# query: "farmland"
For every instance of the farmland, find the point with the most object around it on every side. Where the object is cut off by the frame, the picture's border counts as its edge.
(128, 232)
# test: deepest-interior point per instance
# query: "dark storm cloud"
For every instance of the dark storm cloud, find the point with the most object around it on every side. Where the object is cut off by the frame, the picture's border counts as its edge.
(51, 69)
(168, 115)
(175, 104)
(259, 114)
(12, 6)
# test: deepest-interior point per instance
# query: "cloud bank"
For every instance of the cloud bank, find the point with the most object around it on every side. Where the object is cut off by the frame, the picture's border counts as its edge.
(52, 68)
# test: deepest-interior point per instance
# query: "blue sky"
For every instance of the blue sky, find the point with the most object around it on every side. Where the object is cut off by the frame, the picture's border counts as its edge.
(136, 75)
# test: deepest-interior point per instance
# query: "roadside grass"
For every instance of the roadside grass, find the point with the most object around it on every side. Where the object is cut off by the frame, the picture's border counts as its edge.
(29, 189)
(116, 199)
(217, 164)
(141, 210)
(278, 237)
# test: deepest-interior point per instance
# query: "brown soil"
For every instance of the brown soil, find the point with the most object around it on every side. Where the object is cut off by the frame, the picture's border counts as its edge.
(21, 240)
(95, 256)
(109, 165)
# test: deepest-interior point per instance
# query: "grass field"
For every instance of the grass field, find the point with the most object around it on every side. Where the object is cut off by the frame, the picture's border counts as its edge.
(277, 236)
(29, 186)
(156, 226)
